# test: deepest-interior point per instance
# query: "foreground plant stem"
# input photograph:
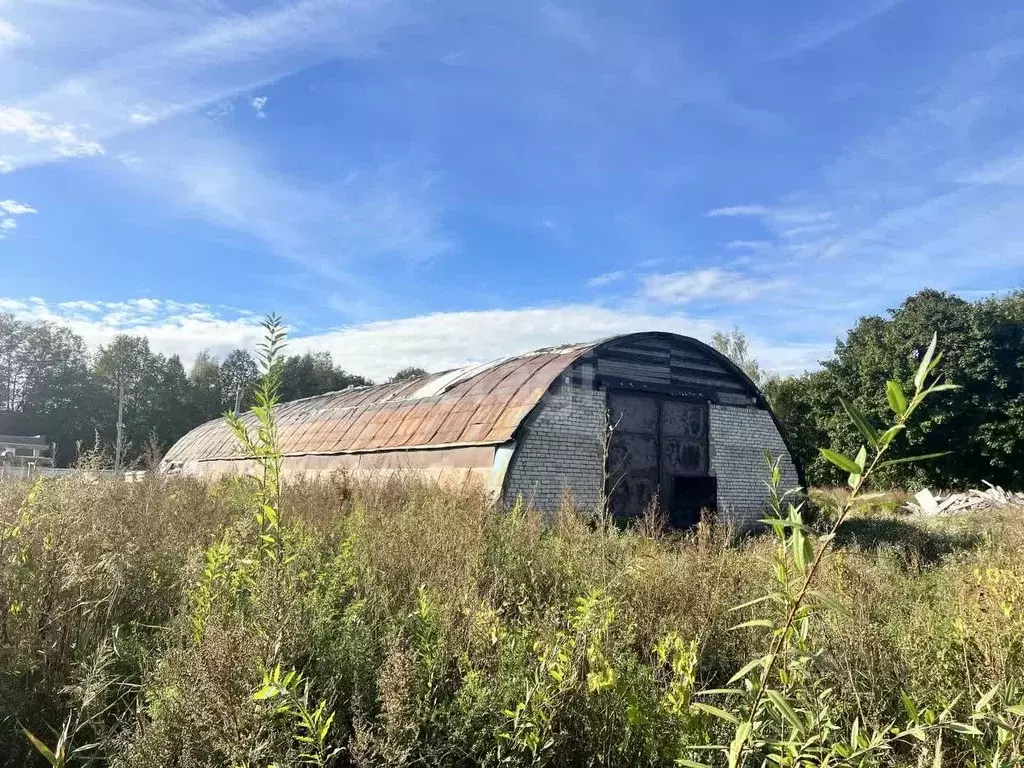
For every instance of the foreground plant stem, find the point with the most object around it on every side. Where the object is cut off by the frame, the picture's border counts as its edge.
(860, 473)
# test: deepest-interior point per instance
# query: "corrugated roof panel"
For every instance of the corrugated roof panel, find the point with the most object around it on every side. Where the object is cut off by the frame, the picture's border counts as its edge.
(479, 403)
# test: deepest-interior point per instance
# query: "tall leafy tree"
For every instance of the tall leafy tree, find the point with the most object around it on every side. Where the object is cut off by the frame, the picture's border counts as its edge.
(127, 367)
(983, 345)
(238, 372)
(172, 402)
(45, 387)
(734, 345)
(204, 385)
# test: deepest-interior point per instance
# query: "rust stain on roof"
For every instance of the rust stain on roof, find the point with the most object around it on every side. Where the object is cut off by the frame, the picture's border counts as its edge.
(474, 405)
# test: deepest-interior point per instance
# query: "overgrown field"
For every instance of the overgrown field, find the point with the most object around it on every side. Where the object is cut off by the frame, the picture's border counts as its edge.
(149, 625)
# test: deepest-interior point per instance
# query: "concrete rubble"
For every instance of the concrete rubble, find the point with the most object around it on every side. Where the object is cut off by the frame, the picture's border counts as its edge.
(929, 504)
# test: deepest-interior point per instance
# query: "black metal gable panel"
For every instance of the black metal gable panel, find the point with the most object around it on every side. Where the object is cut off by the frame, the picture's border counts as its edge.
(665, 362)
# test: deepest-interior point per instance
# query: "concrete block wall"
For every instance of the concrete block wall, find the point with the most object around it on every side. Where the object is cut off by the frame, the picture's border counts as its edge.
(561, 447)
(739, 437)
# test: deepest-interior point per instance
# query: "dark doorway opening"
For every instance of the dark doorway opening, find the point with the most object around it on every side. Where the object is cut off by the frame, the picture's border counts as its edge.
(690, 497)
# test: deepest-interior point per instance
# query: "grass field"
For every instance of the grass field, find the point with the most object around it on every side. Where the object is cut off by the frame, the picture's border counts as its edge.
(147, 624)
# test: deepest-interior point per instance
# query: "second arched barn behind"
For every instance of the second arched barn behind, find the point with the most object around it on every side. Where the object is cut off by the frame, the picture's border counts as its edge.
(624, 419)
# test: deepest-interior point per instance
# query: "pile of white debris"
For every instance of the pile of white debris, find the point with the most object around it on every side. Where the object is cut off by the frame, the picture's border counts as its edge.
(928, 504)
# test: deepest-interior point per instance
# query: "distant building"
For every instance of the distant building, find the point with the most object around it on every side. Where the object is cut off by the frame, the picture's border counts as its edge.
(24, 451)
(630, 419)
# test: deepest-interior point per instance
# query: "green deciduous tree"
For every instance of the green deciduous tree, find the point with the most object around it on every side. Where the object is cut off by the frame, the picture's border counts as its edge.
(984, 354)
(204, 381)
(238, 372)
(315, 373)
(734, 345)
(409, 372)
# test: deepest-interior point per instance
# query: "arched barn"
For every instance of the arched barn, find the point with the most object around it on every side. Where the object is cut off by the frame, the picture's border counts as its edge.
(631, 416)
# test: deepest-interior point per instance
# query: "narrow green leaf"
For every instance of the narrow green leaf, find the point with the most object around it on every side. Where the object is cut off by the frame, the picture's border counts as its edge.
(887, 437)
(750, 603)
(799, 551)
(716, 712)
(738, 741)
(752, 623)
(785, 709)
(827, 601)
(266, 692)
(747, 668)
(862, 458)
(908, 705)
(845, 463)
(943, 388)
(41, 748)
(986, 699)
(926, 361)
(690, 763)
(964, 728)
(909, 459)
(897, 400)
(860, 421)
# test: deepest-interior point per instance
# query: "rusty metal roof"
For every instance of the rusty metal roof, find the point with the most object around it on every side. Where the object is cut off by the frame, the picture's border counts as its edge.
(481, 404)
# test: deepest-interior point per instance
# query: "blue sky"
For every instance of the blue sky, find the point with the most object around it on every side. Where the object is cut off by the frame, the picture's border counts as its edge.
(437, 182)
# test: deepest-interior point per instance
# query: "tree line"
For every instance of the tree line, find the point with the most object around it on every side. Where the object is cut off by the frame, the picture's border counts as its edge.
(51, 384)
(981, 424)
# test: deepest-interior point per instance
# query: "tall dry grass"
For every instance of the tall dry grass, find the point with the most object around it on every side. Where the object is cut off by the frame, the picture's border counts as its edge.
(439, 630)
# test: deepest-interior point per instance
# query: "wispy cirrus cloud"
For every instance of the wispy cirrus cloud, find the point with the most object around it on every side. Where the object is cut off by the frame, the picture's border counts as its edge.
(823, 32)
(203, 57)
(607, 278)
(739, 210)
(706, 284)
(374, 213)
(9, 36)
(146, 107)
(925, 199)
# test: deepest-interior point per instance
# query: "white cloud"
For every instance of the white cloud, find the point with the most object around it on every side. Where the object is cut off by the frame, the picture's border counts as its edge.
(6, 165)
(748, 245)
(258, 104)
(705, 284)
(11, 208)
(171, 327)
(739, 210)
(38, 129)
(599, 281)
(8, 35)
(436, 341)
(143, 115)
(176, 61)
(15, 208)
(928, 200)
